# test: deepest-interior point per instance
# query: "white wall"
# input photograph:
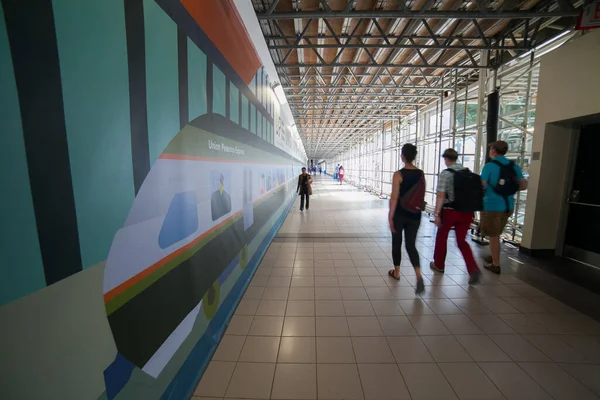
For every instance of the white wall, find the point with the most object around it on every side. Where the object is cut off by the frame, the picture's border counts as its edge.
(569, 88)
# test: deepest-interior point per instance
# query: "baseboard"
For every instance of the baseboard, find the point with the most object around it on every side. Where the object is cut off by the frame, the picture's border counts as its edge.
(538, 253)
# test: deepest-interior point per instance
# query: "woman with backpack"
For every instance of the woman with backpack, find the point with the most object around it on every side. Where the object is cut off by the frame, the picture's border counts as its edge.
(406, 204)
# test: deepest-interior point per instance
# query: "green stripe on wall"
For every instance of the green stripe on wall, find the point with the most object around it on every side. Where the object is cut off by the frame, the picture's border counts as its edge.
(93, 62)
(162, 79)
(21, 269)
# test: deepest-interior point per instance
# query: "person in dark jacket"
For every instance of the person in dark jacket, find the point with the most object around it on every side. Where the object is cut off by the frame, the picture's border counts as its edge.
(303, 189)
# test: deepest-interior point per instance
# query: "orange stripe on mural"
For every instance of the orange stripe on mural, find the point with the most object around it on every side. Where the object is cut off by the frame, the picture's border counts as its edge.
(136, 278)
(223, 25)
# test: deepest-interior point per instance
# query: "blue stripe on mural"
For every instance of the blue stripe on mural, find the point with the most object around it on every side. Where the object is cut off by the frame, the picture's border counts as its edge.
(186, 380)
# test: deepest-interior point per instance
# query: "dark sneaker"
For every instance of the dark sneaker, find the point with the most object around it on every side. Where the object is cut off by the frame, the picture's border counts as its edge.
(474, 278)
(487, 259)
(436, 269)
(302, 209)
(491, 267)
(420, 287)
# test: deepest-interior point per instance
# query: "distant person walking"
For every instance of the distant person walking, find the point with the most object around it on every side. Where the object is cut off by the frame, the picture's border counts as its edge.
(406, 204)
(501, 179)
(304, 189)
(459, 195)
(335, 175)
(341, 174)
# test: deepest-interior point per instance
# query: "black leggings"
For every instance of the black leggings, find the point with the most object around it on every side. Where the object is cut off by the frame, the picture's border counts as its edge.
(410, 226)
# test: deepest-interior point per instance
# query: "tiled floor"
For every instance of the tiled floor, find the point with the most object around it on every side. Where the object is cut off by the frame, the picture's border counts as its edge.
(322, 320)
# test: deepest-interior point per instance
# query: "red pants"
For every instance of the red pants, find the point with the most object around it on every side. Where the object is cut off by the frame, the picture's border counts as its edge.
(461, 221)
(341, 177)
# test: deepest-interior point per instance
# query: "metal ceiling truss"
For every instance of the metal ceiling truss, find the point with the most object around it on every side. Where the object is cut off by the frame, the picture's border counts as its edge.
(350, 67)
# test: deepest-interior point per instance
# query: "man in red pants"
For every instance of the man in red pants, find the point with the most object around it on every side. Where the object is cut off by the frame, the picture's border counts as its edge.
(456, 211)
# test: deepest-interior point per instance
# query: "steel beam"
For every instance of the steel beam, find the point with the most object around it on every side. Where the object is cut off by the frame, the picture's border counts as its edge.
(369, 87)
(413, 45)
(434, 14)
(375, 65)
(382, 95)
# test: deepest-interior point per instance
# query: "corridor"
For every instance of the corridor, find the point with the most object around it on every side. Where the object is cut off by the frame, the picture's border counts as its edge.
(322, 320)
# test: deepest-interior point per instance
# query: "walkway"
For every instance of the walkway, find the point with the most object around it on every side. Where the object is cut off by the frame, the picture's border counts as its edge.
(321, 320)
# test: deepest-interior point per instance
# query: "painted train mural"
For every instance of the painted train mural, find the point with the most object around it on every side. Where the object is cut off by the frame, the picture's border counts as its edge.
(203, 217)
(216, 189)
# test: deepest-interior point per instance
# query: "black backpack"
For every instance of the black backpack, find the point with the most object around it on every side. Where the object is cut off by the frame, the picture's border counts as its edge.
(507, 184)
(468, 191)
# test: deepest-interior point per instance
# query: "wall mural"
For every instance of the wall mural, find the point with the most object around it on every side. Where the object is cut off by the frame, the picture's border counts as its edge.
(213, 179)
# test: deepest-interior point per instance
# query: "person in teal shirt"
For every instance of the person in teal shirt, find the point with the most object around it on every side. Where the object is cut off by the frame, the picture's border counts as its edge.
(497, 209)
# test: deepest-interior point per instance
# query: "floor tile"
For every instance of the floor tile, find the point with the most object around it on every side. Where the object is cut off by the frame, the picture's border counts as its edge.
(251, 380)
(281, 272)
(229, 348)
(460, 324)
(302, 281)
(555, 348)
(518, 349)
(586, 344)
(398, 325)
(299, 326)
(469, 382)
(409, 349)
(482, 348)
(302, 293)
(295, 381)
(215, 380)
(426, 382)
(415, 307)
(332, 326)
(443, 306)
(353, 293)
(364, 326)
(247, 307)
(445, 349)
(588, 374)
(335, 350)
(326, 281)
(279, 281)
(254, 293)
(327, 293)
(557, 382)
(358, 308)
(260, 349)
(300, 308)
(266, 326)
(382, 382)
(521, 323)
(330, 309)
(276, 293)
(372, 350)
(490, 324)
(349, 281)
(386, 307)
(338, 381)
(428, 325)
(275, 308)
(513, 382)
(297, 350)
(239, 325)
